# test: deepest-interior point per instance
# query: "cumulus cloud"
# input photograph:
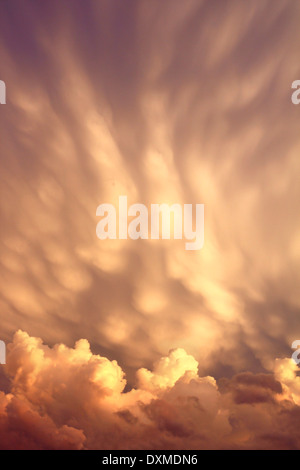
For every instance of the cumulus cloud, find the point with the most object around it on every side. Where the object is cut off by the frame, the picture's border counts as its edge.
(69, 398)
(168, 370)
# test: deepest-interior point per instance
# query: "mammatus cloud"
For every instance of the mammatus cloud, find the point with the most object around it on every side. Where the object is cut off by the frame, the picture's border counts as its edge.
(165, 102)
(69, 398)
(146, 100)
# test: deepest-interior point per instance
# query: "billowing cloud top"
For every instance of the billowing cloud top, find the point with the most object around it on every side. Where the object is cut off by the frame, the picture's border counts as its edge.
(65, 398)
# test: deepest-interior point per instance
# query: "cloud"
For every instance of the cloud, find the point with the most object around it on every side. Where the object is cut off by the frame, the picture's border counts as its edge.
(252, 388)
(176, 102)
(175, 115)
(167, 371)
(69, 398)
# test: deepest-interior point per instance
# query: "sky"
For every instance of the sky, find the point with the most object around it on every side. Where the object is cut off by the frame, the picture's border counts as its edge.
(133, 344)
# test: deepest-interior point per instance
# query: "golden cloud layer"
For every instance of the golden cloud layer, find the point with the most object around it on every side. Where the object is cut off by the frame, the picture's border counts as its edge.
(65, 398)
(165, 102)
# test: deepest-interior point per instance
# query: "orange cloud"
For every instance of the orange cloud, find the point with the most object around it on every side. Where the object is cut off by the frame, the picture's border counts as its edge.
(170, 111)
(65, 398)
